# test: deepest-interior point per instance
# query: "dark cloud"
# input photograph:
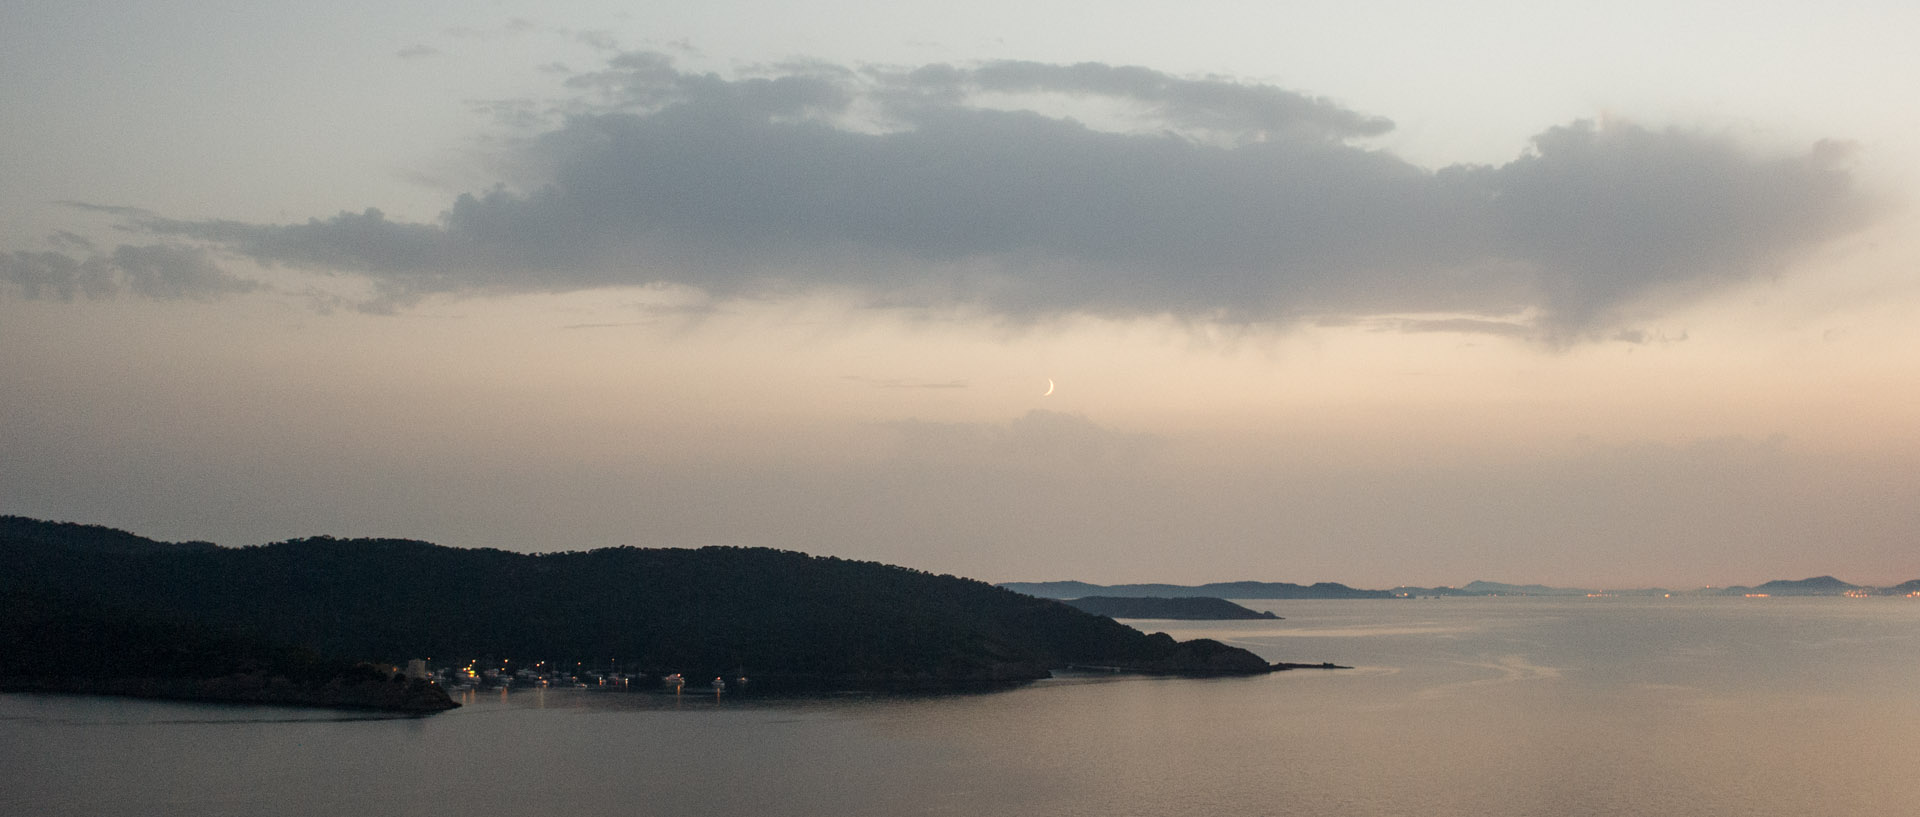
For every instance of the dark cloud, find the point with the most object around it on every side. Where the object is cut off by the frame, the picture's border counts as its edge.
(417, 51)
(157, 271)
(1216, 200)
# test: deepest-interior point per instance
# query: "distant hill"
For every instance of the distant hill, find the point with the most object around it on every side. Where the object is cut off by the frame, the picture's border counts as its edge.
(1816, 586)
(1195, 608)
(780, 617)
(1485, 588)
(1903, 589)
(1482, 588)
(1223, 590)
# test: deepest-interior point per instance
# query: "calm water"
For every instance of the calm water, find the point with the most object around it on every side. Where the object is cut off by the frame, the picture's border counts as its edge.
(1458, 707)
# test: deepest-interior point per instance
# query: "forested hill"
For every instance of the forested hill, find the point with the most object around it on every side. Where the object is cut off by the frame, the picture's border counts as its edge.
(769, 614)
(72, 536)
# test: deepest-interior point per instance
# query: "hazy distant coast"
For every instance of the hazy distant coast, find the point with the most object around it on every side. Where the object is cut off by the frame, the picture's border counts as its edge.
(1189, 608)
(1816, 586)
(1222, 590)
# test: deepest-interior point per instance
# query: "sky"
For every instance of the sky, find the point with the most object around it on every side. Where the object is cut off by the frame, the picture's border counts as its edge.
(1604, 295)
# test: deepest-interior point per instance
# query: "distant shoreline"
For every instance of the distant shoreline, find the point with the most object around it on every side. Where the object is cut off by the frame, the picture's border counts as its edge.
(1186, 608)
(1267, 591)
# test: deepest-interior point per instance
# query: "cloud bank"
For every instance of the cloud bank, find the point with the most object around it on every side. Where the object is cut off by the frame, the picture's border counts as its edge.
(1033, 189)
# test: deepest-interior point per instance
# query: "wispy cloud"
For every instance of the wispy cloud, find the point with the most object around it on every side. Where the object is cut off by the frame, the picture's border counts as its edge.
(1470, 326)
(156, 271)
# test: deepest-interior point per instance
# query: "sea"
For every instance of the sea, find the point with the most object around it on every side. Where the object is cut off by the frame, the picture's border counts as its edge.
(1481, 706)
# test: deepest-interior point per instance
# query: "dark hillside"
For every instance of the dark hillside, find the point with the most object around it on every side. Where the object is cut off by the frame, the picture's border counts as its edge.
(95, 538)
(774, 615)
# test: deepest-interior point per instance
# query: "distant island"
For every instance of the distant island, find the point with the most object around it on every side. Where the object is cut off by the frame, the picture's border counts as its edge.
(92, 609)
(1816, 586)
(1219, 590)
(1191, 608)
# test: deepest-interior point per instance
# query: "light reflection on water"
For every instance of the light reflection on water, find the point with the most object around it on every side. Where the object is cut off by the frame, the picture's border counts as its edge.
(1456, 707)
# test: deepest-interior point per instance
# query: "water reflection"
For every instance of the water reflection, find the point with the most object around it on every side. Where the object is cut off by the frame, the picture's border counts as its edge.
(1458, 708)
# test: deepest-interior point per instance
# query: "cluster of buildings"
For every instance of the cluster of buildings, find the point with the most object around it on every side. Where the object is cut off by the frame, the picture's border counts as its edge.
(503, 674)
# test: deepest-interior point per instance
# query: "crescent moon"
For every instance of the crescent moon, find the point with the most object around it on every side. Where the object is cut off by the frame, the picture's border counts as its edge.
(1049, 390)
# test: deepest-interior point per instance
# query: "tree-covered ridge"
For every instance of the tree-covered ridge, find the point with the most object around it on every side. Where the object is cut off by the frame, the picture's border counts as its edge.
(54, 647)
(86, 537)
(770, 614)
